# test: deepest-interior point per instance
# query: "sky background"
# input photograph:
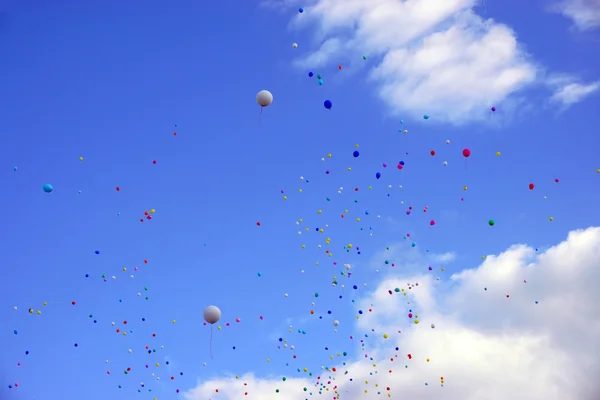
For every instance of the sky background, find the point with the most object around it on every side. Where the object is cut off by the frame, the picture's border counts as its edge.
(112, 82)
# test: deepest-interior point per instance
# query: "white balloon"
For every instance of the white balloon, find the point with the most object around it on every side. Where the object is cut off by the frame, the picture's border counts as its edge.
(212, 314)
(432, 326)
(264, 98)
(336, 323)
(295, 45)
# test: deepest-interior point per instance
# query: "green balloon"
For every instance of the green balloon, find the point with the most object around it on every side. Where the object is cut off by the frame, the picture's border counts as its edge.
(491, 222)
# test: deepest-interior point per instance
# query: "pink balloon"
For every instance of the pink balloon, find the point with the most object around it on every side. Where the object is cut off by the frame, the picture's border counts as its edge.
(432, 222)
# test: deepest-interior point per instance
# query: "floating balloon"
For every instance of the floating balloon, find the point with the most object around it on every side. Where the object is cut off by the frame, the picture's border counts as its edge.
(355, 154)
(425, 116)
(48, 188)
(493, 109)
(466, 153)
(301, 10)
(491, 222)
(212, 314)
(531, 186)
(264, 98)
(328, 104)
(310, 74)
(295, 45)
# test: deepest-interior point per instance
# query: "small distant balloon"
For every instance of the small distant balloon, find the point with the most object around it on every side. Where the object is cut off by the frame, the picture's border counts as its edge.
(493, 109)
(295, 45)
(425, 116)
(48, 188)
(301, 10)
(328, 104)
(466, 153)
(310, 74)
(355, 154)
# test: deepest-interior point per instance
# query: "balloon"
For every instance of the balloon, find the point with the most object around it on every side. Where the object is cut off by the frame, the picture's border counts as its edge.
(336, 323)
(493, 109)
(310, 74)
(356, 153)
(212, 314)
(264, 98)
(491, 222)
(531, 186)
(327, 104)
(425, 116)
(48, 188)
(295, 45)
(301, 10)
(378, 175)
(466, 152)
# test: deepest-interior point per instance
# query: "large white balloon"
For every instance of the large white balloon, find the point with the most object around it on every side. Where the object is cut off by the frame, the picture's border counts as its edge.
(264, 98)
(212, 314)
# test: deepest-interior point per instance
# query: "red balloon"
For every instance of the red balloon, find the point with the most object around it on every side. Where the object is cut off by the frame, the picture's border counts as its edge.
(466, 152)
(432, 152)
(531, 186)
(258, 224)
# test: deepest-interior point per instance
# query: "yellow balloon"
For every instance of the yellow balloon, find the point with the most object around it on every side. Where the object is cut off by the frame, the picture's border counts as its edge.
(356, 146)
(497, 154)
(385, 335)
(152, 211)
(328, 155)
(174, 321)
(80, 158)
(551, 218)
(285, 197)
(349, 169)
(320, 211)
(39, 312)
(45, 304)
(300, 220)
(465, 188)
(349, 245)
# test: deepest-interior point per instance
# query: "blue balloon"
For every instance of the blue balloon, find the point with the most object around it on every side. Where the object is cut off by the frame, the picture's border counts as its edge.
(320, 81)
(310, 74)
(401, 121)
(356, 153)
(425, 116)
(327, 104)
(301, 10)
(48, 188)
(14, 168)
(401, 162)
(378, 175)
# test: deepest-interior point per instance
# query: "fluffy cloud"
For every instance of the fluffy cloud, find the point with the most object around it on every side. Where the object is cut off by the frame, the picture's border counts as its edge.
(584, 13)
(574, 92)
(434, 56)
(486, 345)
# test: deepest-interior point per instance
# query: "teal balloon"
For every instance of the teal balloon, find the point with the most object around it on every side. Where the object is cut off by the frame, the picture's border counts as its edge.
(48, 188)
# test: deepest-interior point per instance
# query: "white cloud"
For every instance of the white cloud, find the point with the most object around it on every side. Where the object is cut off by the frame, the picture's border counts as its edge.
(485, 345)
(431, 57)
(584, 13)
(573, 92)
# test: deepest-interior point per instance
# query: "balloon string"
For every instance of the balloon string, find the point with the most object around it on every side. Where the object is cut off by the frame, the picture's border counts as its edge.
(260, 117)
(211, 356)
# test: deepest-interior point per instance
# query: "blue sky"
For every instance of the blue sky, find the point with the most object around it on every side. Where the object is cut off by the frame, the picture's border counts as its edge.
(112, 83)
